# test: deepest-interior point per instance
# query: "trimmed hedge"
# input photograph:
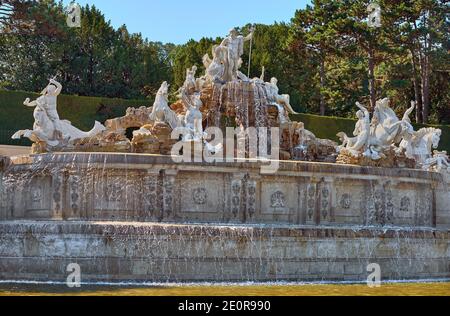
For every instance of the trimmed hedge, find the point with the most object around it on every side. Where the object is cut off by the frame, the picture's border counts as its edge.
(328, 127)
(81, 111)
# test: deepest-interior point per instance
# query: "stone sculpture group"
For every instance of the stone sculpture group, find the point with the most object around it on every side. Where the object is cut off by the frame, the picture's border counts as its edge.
(49, 131)
(378, 140)
(385, 137)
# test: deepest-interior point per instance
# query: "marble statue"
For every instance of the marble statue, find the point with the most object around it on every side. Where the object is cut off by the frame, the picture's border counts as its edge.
(215, 68)
(376, 136)
(386, 127)
(360, 143)
(48, 129)
(439, 162)
(282, 101)
(190, 84)
(161, 111)
(193, 120)
(234, 44)
(419, 145)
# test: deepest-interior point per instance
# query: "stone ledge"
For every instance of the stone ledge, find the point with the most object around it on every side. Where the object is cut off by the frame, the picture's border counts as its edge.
(138, 161)
(137, 230)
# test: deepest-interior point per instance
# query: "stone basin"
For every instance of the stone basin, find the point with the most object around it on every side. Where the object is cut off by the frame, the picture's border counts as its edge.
(148, 188)
(144, 218)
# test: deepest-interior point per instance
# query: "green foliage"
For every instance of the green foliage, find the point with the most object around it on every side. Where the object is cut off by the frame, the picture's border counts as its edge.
(93, 60)
(321, 58)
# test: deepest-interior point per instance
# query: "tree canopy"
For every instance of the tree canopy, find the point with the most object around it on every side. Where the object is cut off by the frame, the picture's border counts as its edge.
(326, 58)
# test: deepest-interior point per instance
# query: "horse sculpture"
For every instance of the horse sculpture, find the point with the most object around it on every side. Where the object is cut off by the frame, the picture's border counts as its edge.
(377, 136)
(161, 111)
(386, 127)
(419, 145)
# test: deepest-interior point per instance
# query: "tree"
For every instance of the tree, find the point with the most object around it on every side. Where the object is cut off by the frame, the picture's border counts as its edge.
(422, 28)
(14, 16)
(315, 30)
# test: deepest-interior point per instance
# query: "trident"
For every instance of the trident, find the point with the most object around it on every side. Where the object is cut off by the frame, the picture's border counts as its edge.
(252, 29)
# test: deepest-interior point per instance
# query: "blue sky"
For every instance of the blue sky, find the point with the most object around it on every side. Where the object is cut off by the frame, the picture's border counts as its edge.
(177, 21)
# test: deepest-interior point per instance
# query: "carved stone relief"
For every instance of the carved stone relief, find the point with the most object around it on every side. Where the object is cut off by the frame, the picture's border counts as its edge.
(236, 188)
(200, 196)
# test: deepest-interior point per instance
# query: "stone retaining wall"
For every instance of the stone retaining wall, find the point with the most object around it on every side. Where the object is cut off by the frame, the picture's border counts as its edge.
(182, 253)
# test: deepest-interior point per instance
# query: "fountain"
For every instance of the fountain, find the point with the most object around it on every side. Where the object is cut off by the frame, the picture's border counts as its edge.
(127, 210)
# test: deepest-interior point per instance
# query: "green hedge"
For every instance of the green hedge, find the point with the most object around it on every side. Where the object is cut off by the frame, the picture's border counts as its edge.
(328, 127)
(81, 111)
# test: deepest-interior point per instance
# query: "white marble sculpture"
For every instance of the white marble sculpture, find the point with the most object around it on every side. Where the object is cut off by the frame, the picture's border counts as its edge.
(48, 128)
(282, 101)
(235, 49)
(215, 68)
(386, 127)
(226, 58)
(360, 143)
(385, 131)
(419, 145)
(440, 162)
(161, 111)
(373, 137)
(193, 120)
(190, 83)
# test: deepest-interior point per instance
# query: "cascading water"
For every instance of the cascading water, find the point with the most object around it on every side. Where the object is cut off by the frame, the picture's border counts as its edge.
(137, 217)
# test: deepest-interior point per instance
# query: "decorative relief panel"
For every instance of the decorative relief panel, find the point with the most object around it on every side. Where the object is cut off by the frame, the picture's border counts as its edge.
(168, 195)
(325, 202)
(75, 190)
(200, 196)
(37, 203)
(251, 198)
(114, 192)
(236, 193)
(111, 194)
(379, 205)
(57, 193)
(405, 204)
(36, 195)
(311, 202)
(150, 195)
(424, 209)
(278, 200)
(346, 201)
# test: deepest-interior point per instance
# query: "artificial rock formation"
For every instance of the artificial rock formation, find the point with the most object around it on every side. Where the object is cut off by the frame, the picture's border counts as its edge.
(132, 119)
